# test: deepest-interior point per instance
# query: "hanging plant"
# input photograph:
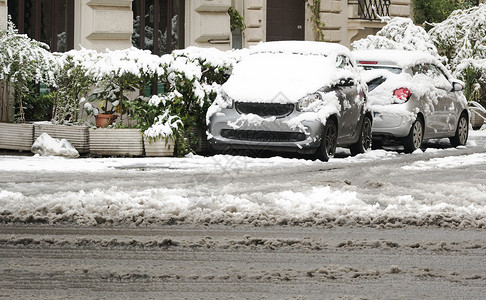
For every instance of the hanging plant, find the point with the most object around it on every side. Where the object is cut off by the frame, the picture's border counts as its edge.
(236, 20)
(317, 24)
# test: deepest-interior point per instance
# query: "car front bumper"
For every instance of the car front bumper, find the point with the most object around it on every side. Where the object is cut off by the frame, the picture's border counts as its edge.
(274, 134)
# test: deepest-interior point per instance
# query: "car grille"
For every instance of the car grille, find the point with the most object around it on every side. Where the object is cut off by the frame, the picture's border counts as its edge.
(265, 109)
(262, 136)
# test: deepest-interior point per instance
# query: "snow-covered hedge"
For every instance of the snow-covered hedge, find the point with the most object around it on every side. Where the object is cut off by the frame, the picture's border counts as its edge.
(399, 33)
(115, 81)
(462, 38)
(22, 61)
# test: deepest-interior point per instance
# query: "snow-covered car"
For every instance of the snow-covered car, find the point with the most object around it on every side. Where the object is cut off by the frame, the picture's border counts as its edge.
(305, 97)
(413, 98)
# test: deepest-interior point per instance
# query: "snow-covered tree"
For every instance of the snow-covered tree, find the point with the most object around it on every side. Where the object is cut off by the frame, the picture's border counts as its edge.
(462, 38)
(399, 33)
(22, 61)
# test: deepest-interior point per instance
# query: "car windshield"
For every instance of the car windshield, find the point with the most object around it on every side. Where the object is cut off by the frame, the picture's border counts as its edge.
(395, 70)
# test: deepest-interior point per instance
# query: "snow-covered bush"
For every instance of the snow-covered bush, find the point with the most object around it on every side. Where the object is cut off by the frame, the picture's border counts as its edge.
(73, 82)
(193, 77)
(23, 61)
(462, 38)
(118, 73)
(399, 33)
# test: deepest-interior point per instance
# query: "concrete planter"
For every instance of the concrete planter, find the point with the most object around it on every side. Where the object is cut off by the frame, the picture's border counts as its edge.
(18, 137)
(159, 147)
(115, 142)
(78, 136)
(478, 118)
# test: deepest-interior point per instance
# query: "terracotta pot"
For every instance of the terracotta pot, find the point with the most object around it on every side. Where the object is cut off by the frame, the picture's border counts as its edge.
(103, 120)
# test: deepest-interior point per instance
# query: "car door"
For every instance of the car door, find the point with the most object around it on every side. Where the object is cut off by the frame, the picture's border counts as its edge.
(433, 102)
(447, 111)
(349, 97)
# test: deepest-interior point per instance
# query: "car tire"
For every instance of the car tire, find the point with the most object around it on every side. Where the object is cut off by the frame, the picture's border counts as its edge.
(327, 149)
(414, 139)
(462, 132)
(365, 138)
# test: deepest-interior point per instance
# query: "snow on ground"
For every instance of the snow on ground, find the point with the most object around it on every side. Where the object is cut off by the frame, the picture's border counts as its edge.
(240, 201)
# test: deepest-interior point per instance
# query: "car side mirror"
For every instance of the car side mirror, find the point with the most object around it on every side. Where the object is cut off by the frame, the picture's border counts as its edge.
(345, 82)
(457, 87)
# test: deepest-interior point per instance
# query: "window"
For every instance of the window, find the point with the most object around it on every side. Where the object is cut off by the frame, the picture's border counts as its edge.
(48, 21)
(369, 9)
(157, 18)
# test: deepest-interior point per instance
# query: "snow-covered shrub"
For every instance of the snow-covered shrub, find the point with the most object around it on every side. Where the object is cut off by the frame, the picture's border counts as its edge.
(164, 126)
(462, 38)
(399, 33)
(190, 78)
(117, 73)
(194, 75)
(23, 61)
(73, 82)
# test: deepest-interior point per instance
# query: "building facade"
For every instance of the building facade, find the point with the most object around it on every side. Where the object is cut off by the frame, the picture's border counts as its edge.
(175, 24)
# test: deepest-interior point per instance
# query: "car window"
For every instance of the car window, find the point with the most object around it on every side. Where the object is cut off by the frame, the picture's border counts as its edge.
(395, 70)
(343, 62)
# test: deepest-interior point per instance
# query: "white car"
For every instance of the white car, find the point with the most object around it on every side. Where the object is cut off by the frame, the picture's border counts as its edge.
(413, 98)
(304, 97)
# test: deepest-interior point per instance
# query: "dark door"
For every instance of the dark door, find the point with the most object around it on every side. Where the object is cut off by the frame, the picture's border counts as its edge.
(285, 20)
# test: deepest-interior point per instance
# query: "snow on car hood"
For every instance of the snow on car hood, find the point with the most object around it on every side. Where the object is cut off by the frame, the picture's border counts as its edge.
(281, 77)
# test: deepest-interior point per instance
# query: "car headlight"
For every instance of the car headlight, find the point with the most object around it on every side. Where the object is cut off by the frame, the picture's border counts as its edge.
(309, 101)
(226, 101)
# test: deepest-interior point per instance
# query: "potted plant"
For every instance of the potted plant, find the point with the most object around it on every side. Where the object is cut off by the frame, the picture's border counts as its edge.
(159, 128)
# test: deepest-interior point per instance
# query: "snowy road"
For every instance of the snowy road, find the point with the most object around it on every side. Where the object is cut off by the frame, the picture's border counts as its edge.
(380, 225)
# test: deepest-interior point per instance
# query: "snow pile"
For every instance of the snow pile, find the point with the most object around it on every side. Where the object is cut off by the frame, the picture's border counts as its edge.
(319, 206)
(399, 33)
(453, 204)
(45, 145)
(448, 162)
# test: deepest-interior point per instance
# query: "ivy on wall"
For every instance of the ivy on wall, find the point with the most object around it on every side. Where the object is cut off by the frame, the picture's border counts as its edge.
(236, 20)
(317, 24)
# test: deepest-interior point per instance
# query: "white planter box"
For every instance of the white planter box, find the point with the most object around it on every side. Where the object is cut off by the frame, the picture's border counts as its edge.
(18, 137)
(478, 118)
(159, 147)
(115, 142)
(78, 136)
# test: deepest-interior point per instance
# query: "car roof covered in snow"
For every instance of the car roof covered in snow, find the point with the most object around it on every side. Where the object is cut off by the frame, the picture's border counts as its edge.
(391, 57)
(301, 47)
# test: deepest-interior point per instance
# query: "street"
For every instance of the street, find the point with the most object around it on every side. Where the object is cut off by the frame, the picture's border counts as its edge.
(383, 225)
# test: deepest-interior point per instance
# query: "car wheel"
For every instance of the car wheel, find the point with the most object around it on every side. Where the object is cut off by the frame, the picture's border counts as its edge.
(365, 139)
(413, 140)
(328, 142)
(462, 132)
